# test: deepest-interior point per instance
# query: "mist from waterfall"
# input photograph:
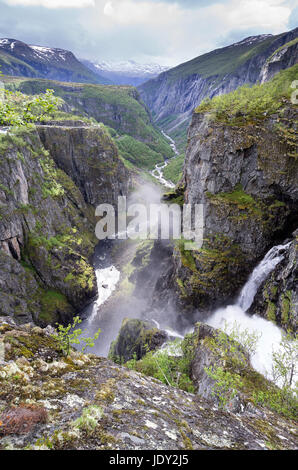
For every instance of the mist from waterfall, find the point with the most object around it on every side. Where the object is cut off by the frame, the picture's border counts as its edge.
(107, 311)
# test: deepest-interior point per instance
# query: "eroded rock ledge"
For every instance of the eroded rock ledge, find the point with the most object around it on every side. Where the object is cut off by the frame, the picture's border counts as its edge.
(86, 402)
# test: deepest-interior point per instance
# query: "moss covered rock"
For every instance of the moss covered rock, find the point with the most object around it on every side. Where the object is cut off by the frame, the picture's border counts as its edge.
(135, 339)
(246, 177)
(83, 402)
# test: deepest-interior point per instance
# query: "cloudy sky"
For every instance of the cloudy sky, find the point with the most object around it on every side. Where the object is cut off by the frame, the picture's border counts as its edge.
(162, 31)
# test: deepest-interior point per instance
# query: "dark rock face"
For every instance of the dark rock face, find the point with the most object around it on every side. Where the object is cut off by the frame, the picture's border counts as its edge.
(136, 338)
(246, 178)
(277, 298)
(91, 160)
(47, 222)
(284, 58)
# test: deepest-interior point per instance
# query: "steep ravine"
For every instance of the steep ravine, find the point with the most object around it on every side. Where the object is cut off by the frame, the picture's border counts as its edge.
(174, 94)
(50, 182)
(47, 268)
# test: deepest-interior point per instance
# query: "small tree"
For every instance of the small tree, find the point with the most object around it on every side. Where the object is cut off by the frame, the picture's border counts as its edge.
(68, 335)
(249, 340)
(285, 361)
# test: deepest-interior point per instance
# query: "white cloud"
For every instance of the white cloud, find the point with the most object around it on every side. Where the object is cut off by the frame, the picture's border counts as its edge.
(263, 14)
(141, 12)
(52, 4)
(163, 31)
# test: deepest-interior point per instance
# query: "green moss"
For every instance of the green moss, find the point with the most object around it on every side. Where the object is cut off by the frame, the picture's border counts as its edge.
(247, 105)
(89, 419)
(239, 198)
(271, 312)
(286, 307)
(30, 346)
(52, 302)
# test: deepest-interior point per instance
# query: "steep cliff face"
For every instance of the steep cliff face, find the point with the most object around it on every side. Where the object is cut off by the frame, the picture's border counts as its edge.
(47, 221)
(246, 177)
(174, 94)
(90, 158)
(286, 56)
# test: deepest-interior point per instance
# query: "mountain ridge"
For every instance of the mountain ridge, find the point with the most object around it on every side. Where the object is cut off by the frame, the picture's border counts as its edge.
(125, 72)
(174, 94)
(20, 59)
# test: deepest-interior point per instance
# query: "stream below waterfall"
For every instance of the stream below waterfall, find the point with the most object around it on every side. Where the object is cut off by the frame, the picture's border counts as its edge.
(157, 173)
(108, 310)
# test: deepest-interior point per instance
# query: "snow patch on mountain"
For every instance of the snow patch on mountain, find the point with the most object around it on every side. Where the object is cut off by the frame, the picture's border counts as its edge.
(130, 67)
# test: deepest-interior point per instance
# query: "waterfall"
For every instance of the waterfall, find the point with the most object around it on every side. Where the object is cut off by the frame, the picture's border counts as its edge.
(269, 334)
(107, 279)
(260, 274)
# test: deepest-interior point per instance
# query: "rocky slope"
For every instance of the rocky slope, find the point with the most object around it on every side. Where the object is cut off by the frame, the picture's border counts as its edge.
(47, 217)
(20, 59)
(284, 57)
(246, 177)
(174, 94)
(48, 401)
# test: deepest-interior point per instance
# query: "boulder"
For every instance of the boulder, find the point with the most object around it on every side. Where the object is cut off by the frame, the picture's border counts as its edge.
(135, 339)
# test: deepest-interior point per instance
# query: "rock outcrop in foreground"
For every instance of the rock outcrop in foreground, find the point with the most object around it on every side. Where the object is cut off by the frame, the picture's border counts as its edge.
(85, 402)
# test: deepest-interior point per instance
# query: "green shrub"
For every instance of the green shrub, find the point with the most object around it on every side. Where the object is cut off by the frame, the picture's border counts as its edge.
(248, 104)
(18, 109)
(171, 370)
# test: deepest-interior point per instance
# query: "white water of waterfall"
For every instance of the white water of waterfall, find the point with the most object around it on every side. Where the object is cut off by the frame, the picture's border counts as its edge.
(260, 273)
(157, 173)
(107, 278)
(269, 334)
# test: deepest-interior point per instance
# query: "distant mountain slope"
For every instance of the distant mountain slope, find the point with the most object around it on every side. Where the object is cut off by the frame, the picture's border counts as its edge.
(20, 59)
(125, 72)
(174, 94)
(118, 107)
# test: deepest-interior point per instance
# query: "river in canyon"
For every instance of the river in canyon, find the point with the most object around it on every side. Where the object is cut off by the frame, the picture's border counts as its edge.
(116, 302)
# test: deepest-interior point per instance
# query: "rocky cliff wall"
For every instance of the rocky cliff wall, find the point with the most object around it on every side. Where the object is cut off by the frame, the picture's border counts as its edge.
(246, 177)
(172, 96)
(47, 219)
